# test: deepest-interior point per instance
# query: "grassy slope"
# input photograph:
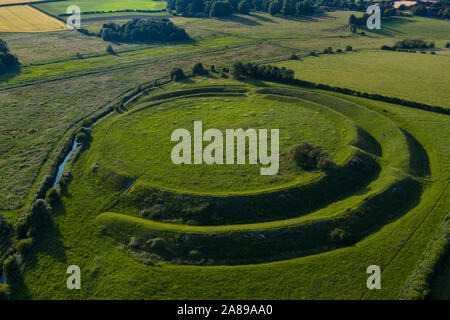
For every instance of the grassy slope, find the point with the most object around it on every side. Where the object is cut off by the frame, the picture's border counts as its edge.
(396, 248)
(131, 136)
(417, 77)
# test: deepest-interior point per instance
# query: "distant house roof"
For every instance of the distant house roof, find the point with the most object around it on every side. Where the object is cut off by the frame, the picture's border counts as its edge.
(406, 3)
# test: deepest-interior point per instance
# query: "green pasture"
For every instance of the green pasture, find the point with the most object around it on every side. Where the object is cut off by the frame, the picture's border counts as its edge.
(60, 7)
(410, 76)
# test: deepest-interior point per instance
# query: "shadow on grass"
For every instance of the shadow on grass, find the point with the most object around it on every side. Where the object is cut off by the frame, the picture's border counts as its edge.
(419, 163)
(241, 20)
(186, 81)
(259, 17)
(388, 26)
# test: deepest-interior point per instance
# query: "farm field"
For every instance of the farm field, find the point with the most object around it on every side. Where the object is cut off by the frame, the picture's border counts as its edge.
(382, 72)
(141, 227)
(27, 19)
(5, 2)
(60, 7)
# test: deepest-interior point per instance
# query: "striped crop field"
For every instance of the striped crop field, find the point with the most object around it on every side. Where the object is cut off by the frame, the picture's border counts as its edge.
(27, 19)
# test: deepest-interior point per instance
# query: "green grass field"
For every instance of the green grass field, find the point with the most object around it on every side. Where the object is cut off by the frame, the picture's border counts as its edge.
(410, 76)
(60, 7)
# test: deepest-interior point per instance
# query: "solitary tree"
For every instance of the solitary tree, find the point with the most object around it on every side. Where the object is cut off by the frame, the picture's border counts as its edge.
(198, 68)
(110, 50)
(177, 74)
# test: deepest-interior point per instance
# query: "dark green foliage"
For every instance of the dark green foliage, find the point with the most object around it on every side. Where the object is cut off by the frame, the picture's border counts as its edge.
(143, 30)
(413, 44)
(348, 48)
(358, 22)
(221, 9)
(406, 44)
(264, 72)
(213, 68)
(4, 226)
(293, 57)
(11, 269)
(110, 50)
(447, 45)
(244, 7)
(37, 217)
(198, 69)
(310, 157)
(83, 136)
(339, 236)
(177, 74)
(156, 212)
(53, 197)
(24, 246)
(328, 50)
(439, 9)
(4, 291)
(304, 8)
(420, 11)
(274, 7)
(353, 28)
(7, 59)
(288, 8)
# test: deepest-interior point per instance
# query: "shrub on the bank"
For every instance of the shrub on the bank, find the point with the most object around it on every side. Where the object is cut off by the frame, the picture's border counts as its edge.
(310, 157)
(177, 74)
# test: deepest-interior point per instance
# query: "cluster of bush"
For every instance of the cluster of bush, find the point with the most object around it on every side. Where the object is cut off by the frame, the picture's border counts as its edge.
(264, 72)
(440, 9)
(143, 30)
(311, 157)
(409, 44)
(7, 59)
(329, 50)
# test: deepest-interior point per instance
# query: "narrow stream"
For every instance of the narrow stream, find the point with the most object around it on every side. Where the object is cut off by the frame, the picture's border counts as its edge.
(63, 164)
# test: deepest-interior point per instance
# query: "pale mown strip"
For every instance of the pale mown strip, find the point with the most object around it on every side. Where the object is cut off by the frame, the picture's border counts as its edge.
(27, 19)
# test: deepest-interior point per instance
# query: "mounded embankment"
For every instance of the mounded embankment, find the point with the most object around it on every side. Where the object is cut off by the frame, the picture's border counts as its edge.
(351, 202)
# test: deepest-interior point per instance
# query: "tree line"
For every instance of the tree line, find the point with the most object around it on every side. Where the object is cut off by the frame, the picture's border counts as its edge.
(410, 44)
(143, 30)
(8, 60)
(207, 8)
(439, 9)
(263, 72)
